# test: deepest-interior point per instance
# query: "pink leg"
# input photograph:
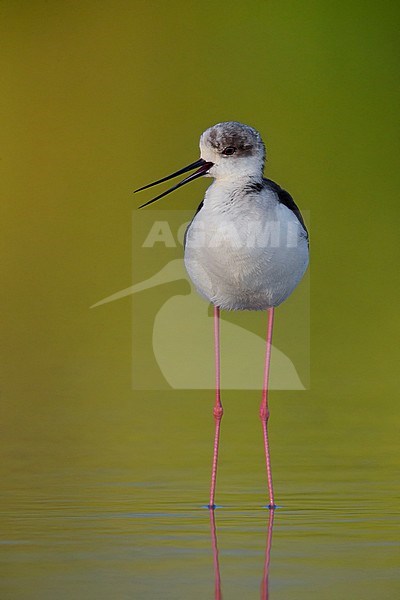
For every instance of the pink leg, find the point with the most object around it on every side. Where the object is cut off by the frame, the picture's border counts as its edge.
(264, 410)
(218, 410)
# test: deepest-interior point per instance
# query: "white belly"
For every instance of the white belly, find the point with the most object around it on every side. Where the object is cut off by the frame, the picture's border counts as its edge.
(250, 257)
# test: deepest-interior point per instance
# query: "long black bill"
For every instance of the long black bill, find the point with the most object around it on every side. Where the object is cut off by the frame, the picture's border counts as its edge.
(203, 167)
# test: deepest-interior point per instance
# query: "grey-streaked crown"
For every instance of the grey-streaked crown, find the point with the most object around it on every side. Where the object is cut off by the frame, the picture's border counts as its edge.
(244, 138)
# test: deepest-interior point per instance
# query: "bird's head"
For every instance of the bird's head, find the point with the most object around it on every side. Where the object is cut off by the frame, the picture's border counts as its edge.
(228, 150)
(236, 150)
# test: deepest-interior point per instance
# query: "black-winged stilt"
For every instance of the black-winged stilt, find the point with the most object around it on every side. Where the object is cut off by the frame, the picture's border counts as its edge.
(246, 247)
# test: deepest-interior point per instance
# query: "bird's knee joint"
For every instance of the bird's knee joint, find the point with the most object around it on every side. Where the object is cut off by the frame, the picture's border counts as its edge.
(218, 411)
(264, 414)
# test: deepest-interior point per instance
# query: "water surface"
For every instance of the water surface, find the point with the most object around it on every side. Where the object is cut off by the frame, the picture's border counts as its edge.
(119, 511)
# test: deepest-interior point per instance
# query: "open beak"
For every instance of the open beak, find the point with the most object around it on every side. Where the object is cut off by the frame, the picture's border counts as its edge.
(202, 168)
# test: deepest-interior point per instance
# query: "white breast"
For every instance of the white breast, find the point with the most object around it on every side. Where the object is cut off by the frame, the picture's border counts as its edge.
(245, 251)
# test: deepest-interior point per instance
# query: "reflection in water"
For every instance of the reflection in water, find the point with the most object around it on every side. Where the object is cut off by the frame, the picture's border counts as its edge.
(217, 576)
(264, 594)
(264, 582)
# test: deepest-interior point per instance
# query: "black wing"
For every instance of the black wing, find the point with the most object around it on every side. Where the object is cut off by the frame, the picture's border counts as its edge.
(285, 198)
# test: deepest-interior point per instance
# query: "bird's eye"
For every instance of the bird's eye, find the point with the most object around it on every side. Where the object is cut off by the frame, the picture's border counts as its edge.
(229, 150)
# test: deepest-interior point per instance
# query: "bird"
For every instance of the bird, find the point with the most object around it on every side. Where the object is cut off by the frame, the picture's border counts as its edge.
(246, 248)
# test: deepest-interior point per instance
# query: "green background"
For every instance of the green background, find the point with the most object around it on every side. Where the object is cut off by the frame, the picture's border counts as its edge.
(97, 99)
